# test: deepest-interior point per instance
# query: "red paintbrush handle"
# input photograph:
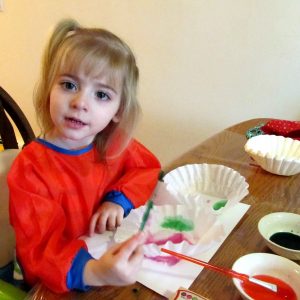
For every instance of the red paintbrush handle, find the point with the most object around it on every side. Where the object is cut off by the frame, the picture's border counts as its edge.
(227, 272)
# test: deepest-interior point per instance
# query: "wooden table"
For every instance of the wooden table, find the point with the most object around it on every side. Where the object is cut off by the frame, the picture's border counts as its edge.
(267, 193)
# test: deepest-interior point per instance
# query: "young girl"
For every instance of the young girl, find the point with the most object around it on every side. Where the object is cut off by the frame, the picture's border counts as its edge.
(85, 172)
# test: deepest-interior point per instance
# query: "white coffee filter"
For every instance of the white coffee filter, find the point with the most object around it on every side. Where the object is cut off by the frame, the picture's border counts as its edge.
(197, 184)
(275, 154)
(203, 228)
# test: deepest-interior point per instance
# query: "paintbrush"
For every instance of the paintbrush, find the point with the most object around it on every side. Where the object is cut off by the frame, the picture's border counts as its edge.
(228, 272)
(146, 214)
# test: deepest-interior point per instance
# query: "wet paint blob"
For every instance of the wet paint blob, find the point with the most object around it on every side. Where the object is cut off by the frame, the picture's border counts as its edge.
(176, 238)
(219, 204)
(169, 260)
(177, 223)
(257, 292)
(286, 239)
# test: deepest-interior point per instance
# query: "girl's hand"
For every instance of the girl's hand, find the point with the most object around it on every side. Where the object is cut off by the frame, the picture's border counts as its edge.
(108, 217)
(118, 266)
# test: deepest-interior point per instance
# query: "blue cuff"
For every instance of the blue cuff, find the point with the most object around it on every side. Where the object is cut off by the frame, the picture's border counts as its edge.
(75, 275)
(121, 199)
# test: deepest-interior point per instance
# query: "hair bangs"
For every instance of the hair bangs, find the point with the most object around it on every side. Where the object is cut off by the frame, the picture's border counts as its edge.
(95, 61)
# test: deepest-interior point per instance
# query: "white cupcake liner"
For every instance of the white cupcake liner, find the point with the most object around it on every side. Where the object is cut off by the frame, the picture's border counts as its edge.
(203, 234)
(202, 184)
(275, 154)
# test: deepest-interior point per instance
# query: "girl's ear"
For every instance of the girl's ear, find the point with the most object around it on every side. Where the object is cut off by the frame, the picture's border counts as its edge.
(116, 118)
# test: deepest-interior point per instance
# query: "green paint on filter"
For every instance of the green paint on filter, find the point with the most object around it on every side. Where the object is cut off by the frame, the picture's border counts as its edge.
(219, 204)
(177, 223)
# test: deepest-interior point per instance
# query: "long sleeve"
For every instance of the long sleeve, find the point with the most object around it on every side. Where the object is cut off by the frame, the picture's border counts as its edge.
(140, 174)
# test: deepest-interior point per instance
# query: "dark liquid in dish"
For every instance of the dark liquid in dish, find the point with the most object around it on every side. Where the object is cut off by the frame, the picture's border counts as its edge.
(286, 239)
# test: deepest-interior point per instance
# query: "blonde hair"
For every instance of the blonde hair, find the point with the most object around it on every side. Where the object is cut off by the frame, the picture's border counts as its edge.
(73, 48)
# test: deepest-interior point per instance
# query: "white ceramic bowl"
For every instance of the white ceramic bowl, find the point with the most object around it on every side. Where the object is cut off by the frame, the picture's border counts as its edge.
(275, 154)
(280, 222)
(268, 264)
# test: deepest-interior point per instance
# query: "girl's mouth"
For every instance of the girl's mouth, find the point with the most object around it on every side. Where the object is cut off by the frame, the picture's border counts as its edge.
(74, 123)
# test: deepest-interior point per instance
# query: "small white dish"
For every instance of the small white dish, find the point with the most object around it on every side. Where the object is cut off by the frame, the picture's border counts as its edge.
(267, 264)
(280, 222)
(275, 154)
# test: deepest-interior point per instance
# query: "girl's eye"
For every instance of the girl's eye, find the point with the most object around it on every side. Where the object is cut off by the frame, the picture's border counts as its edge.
(67, 85)
(102, 96)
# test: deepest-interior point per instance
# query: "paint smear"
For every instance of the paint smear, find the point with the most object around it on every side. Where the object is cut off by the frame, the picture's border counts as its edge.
(176, 238)
(219, 204)
(169, 260)
(177, 223)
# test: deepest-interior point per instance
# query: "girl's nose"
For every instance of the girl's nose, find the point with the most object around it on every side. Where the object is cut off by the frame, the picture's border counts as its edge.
(79, 102)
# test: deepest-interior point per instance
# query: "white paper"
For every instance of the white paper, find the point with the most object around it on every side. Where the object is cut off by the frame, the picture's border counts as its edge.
(161, 277)
(166, 280)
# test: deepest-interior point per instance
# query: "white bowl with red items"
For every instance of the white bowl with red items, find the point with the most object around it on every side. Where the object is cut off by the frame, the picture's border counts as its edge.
(266, 267)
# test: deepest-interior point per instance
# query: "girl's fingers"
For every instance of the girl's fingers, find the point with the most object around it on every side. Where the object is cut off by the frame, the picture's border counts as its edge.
(93, 223)
(112, 223)
(102, 223)
(137, 255)
(108, 217)
(127, 248)
(119, 219)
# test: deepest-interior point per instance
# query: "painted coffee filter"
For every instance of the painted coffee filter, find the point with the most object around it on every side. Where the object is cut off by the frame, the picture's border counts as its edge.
(175, 227)
(197, 184)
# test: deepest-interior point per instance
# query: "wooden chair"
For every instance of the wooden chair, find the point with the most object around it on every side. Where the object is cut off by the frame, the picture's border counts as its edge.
(9, 289)
(10, 112)
(7, 237)
(12, 119)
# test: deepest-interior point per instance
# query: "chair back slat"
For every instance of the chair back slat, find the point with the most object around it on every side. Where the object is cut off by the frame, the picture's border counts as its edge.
(7, 133)
(8, 107)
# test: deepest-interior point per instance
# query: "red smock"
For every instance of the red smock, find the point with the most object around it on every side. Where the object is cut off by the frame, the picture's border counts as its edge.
(53, 195)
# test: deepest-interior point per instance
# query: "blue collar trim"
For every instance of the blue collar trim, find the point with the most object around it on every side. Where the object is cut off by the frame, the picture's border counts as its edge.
(65, 151)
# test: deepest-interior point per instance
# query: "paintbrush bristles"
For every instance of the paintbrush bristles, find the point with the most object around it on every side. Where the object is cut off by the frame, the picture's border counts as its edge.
(146, 214)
